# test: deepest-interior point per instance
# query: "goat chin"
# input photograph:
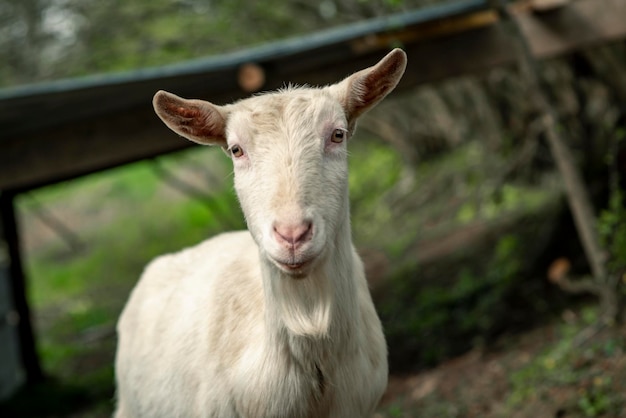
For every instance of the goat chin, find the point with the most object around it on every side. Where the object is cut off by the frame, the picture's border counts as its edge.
(305, 305)
(224, 330)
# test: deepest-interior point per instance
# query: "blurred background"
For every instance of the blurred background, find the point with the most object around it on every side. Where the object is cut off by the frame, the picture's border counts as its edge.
(493, 306)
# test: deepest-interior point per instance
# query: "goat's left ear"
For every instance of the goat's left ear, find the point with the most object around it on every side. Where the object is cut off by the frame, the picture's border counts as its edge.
(363, 90)
(196, 120)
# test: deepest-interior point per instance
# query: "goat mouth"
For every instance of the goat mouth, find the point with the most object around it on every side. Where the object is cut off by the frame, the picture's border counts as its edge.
(296, 269)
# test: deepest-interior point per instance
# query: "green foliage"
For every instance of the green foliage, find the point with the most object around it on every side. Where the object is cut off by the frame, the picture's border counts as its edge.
(568, 364)
(445, 320)
(597, 400)
(374, 169)
(395, 411)
(612, 230)
(48, 39)
(374, 165)
(611, 223)
(124, 218)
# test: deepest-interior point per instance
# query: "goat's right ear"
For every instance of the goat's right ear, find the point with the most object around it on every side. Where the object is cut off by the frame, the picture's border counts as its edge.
(196, 120)
(366, 88)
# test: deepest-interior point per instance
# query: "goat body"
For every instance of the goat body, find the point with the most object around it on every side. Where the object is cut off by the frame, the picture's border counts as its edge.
(276, 321)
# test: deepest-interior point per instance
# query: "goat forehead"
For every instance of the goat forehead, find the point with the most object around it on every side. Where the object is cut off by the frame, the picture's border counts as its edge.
(286, 116)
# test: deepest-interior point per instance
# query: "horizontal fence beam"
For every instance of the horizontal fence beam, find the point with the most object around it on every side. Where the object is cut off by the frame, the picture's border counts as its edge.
(62, 134)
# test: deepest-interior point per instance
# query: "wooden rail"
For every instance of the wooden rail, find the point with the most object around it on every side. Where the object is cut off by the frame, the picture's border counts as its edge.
(70, 128)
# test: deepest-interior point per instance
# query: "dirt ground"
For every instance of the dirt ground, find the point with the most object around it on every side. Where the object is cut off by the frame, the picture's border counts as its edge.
(487, 382)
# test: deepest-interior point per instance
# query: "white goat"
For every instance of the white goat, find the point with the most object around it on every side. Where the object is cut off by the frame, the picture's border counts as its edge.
(277, 321)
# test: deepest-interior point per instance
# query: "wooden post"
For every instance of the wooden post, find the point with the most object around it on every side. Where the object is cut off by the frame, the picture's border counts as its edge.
(11, 271)
(11, 372)
(577, 196)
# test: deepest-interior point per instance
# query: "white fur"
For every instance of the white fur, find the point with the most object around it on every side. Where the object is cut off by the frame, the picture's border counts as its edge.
(253, 324)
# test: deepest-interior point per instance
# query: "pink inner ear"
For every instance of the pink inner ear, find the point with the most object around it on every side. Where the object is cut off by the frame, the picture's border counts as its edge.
(375, 87)
(382, 79)
(190, 120)
(370, 86)
(193, 119)
(177, 110)
(187, 112)
(208, 123)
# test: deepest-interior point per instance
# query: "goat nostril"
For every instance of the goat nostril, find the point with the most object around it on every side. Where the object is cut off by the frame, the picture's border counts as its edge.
(294, 234)
(306, 232)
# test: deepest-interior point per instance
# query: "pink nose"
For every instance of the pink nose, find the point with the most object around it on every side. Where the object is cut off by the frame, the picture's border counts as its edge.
(293, 235)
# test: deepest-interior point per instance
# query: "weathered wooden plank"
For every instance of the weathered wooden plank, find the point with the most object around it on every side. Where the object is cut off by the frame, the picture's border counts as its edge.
(89, 145)
(573, 26)
(98, 133)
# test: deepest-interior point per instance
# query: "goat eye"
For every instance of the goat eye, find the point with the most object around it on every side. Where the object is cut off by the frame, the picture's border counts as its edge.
(236, 151)
(338, 136)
